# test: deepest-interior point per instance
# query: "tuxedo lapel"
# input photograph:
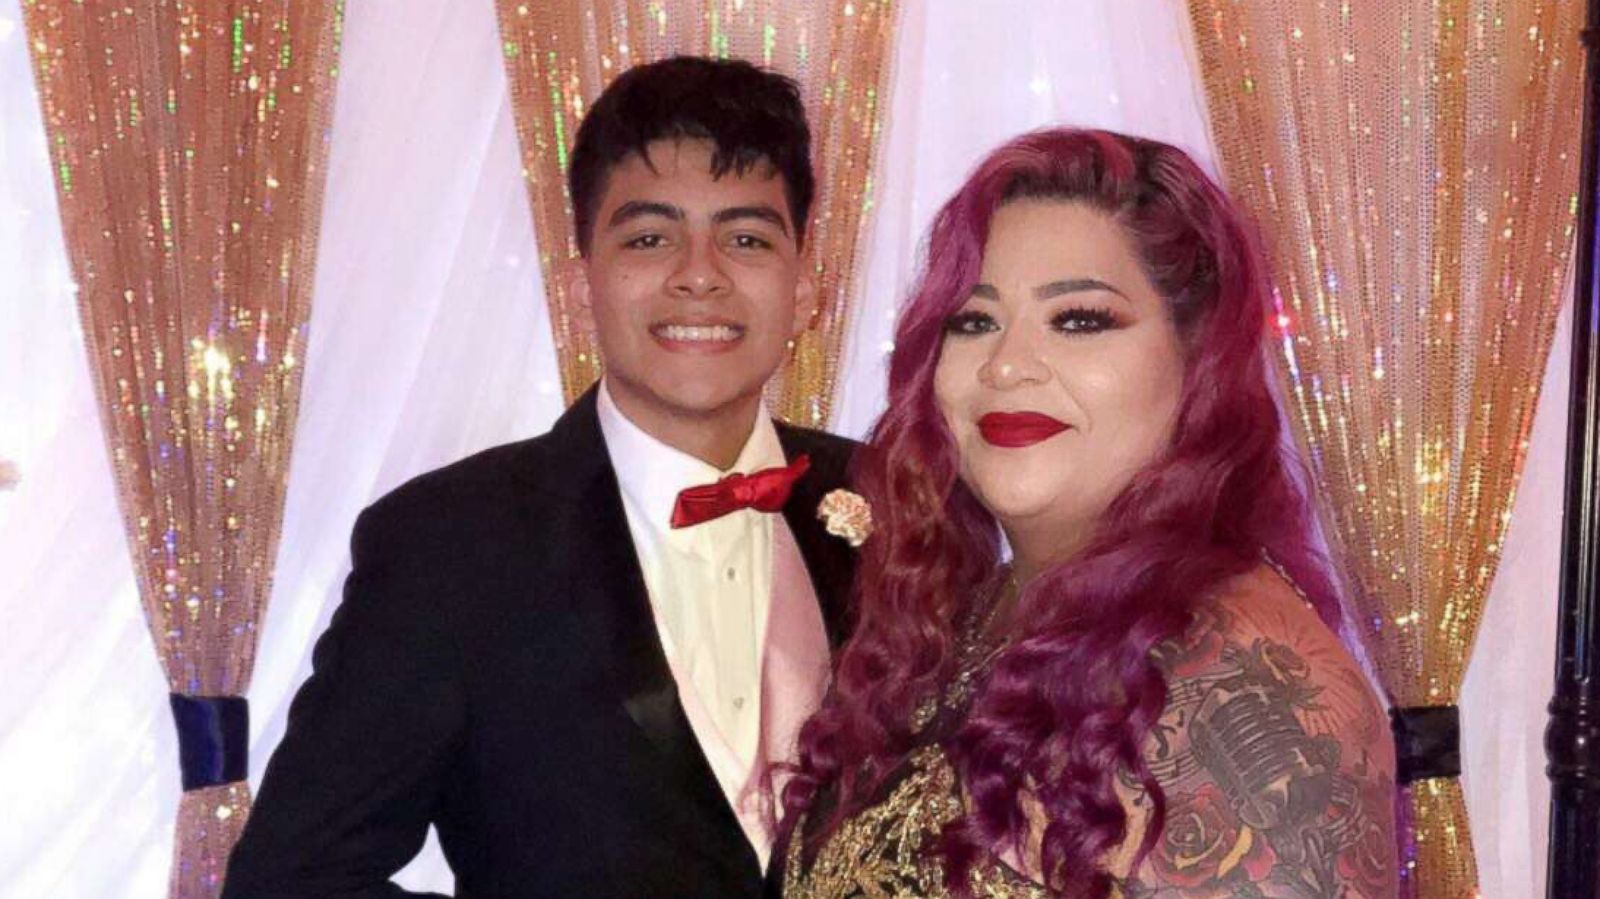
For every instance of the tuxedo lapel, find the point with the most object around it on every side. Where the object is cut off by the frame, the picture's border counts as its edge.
(608, 590)
(830, 561)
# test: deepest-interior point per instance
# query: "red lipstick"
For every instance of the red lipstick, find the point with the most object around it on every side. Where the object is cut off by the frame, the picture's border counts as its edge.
(1013, 430)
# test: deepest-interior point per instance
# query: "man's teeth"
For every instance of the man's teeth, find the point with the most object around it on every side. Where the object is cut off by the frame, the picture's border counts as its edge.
(699, 333)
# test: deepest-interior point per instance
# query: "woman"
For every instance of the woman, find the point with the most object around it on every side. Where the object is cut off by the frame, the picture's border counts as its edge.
(1148, 700)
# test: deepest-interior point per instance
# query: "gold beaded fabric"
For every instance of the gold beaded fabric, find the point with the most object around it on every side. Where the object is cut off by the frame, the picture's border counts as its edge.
(881, 851)
(884, 850)
(1413, 165)
(560, 55)
(188, 142)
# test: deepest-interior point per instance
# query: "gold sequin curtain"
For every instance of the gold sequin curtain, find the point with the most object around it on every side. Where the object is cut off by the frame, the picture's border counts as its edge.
(1413, 164)
(560, 55)
(188, 140)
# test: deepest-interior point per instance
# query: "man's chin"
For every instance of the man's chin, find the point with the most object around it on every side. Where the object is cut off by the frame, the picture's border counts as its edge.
(702, 386)
(709, 404)
(691, 398)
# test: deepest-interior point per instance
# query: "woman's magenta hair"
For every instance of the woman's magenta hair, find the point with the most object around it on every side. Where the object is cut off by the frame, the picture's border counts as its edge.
(1069, 702)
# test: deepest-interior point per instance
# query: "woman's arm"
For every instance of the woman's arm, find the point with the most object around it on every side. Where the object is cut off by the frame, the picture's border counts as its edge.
(1275, 758)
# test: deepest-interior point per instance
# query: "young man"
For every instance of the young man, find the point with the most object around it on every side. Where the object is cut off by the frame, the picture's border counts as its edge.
(576, 656)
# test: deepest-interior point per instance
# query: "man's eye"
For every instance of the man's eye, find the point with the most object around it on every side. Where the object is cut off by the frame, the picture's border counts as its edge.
(751, 242)
(1084, 321)
(645, 242)
(968, 323)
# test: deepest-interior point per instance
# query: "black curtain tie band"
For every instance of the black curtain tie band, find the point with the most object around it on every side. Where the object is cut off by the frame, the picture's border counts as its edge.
(213, 739)
(1427, 742)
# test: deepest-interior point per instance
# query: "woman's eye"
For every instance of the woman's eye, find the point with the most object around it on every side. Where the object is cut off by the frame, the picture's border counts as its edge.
(1084, 321)
(645, 242)
(965, 323)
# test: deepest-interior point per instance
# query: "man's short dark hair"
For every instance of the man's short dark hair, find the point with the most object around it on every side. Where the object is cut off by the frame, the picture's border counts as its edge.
(750, 116)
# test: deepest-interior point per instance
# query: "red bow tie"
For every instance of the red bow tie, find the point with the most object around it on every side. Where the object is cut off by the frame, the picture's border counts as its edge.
(765, 491)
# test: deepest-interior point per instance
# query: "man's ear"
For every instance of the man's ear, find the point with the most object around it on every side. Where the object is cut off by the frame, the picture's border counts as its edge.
(805, 303)
(578, 293)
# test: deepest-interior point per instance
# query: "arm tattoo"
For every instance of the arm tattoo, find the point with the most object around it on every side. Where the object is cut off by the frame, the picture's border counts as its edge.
(1263, 751)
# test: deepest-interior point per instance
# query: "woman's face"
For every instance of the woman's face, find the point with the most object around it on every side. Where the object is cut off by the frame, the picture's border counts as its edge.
(1060, 375)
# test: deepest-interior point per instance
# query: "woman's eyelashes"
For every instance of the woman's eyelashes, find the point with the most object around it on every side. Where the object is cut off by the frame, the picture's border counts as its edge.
(1078, 320)
(1085, 320)
(969, 322)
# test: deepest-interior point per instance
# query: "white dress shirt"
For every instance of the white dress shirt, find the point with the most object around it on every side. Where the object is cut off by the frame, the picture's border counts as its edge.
(709, 584)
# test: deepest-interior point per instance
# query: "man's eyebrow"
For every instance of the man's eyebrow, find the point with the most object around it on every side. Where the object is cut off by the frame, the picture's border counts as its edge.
(638, 208)
(762, 212)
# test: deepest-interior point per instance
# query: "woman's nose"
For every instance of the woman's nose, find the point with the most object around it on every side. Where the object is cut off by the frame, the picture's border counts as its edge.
(1014, 362)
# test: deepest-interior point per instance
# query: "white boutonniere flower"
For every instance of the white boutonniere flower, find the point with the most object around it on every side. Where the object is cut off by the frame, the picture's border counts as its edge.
(846, 514)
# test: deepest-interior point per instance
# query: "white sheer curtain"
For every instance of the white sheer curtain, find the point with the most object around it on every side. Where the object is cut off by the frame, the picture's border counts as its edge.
(86, 742)
(429, 341)
(970, 75)
(429, 338)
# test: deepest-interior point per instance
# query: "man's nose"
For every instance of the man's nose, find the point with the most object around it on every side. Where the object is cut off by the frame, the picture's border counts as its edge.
(700, 272)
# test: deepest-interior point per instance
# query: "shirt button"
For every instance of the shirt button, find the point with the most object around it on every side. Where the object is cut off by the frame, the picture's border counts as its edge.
(733, 574)
(738, 703)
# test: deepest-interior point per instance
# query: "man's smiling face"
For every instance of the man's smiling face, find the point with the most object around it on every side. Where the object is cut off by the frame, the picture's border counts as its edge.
(694, 284)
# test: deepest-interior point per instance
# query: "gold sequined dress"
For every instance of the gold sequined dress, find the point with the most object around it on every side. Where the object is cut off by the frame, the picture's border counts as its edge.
(885, 850)
(882, 851)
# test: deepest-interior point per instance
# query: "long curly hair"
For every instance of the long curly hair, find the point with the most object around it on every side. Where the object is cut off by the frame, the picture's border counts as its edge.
(1067, 705)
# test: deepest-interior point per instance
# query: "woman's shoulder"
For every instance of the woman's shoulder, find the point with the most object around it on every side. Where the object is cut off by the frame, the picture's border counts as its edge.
(1259, 627)
(1256, 643)
(1273, 752)
(1263, 602)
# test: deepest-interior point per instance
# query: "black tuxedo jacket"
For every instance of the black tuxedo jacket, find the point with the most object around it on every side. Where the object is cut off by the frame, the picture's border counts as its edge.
(494, 670)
